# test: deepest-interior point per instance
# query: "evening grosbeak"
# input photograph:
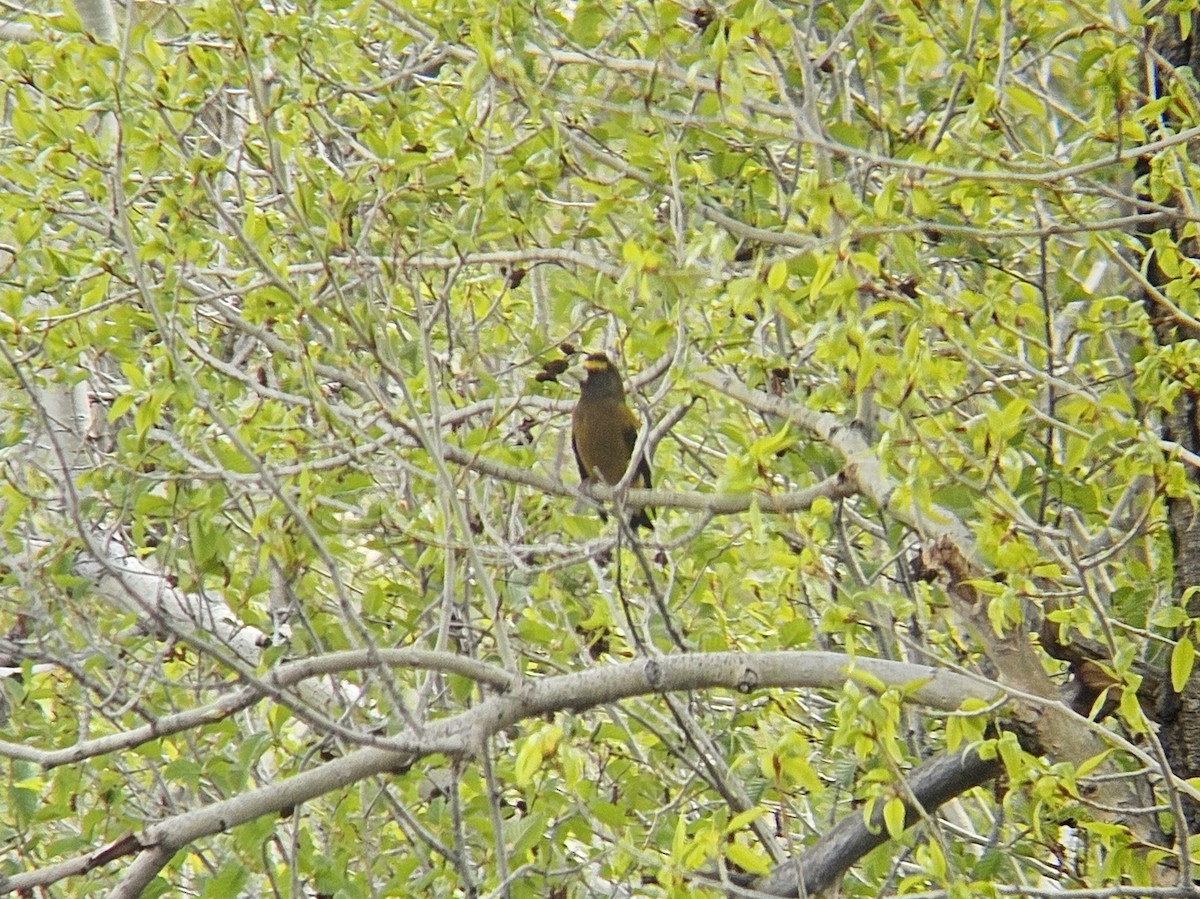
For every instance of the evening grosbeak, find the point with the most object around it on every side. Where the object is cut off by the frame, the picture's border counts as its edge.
(604, 431)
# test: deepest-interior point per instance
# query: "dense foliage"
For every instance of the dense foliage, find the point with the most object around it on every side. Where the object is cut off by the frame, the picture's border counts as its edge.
(297, 270)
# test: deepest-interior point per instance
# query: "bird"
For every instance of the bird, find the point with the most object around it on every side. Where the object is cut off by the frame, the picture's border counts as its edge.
(604, 431)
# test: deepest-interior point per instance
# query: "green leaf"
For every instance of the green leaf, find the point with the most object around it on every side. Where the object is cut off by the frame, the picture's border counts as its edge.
(751, 860)
(1170, 618)
(679, 841)
(744, 819)
(777, 276)
(1183, 657)
(529, 761)
(822, 274)
(893, 817)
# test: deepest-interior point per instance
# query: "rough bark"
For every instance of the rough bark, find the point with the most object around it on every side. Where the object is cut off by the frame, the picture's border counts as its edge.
(1179, 713)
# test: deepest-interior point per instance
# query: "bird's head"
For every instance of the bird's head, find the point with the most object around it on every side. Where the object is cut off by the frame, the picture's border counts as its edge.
(602, 377)
(596, 362)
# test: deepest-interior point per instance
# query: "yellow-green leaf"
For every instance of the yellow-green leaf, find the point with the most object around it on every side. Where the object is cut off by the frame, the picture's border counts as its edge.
(747, 859)
(821, 276)
(777, 276)
(680, 840)
(743, 819)
(1183, 657)
(1089, 765)
(529, 759)
(893, 817)
(550, 737)
(801, 773)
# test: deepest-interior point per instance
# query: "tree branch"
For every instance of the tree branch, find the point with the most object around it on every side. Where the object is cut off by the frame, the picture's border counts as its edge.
(950, 557)
(286, 675)
(466, 734)
(819, 866)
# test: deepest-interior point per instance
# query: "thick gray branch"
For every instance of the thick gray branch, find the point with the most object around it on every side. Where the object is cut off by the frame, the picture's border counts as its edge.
(466, 734)
(819, 866)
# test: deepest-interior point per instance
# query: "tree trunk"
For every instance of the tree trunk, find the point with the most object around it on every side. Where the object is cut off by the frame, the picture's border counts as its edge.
(1179, 713)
